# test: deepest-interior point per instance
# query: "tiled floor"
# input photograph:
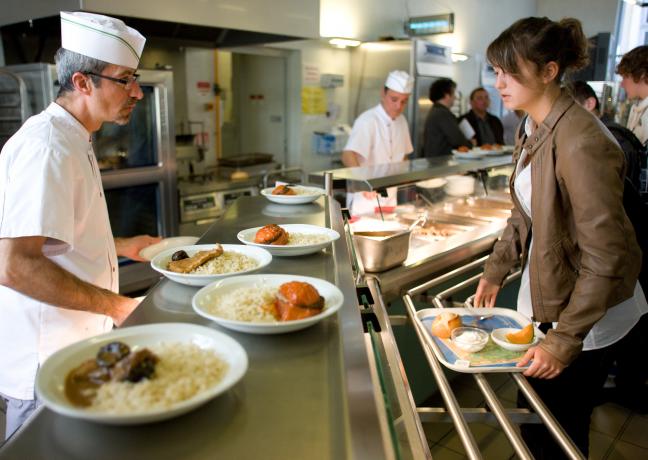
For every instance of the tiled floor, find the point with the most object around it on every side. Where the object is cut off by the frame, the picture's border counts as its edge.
(616, 433)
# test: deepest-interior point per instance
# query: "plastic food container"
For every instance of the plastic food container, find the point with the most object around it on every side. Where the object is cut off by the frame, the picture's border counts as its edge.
(470, 339)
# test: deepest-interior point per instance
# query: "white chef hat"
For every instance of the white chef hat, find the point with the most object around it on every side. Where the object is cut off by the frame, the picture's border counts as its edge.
(101, 37)
(399, 81)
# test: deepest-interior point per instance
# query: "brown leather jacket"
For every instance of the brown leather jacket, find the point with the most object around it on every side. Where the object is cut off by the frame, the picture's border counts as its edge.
(585, 255)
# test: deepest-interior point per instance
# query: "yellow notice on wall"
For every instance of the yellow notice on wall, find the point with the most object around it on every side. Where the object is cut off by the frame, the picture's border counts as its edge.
(313, 100)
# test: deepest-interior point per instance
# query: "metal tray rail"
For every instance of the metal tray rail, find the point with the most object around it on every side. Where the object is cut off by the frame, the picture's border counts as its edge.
(507, 418)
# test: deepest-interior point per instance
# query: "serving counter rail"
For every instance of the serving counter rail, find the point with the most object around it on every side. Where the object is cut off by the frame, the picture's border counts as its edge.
(308, 394)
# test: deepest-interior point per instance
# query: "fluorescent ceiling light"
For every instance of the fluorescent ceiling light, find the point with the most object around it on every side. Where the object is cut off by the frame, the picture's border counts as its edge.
(344, 42)
(459, 57)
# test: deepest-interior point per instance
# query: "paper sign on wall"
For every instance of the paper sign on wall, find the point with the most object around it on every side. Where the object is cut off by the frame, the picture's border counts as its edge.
(313, 100)
(311, 74)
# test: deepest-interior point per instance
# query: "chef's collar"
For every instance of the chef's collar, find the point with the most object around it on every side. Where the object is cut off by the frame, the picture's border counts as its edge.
(642, 105)
(384, 116)
(66, 117)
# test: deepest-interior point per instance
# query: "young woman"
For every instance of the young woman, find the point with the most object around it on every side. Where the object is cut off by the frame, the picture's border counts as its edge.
(568, 228)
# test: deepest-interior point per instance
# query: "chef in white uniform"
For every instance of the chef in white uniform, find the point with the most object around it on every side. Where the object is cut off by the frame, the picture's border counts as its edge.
(58, 258)
(380, 136)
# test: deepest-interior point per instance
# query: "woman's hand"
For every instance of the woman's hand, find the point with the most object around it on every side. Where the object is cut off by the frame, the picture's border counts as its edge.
(544, 366)
(486, 294)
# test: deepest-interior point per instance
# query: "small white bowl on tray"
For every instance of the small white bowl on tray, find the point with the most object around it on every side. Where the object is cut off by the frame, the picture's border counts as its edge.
(50, 380)
(305, 194)
(333, 298)
(499, 337)
(149, 252)
(160, 262)
(290, 250)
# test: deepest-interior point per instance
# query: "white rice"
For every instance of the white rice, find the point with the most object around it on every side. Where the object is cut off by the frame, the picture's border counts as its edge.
(306, 239)
(227, 262)
(243, 304)
(305, 191)
(184, 370)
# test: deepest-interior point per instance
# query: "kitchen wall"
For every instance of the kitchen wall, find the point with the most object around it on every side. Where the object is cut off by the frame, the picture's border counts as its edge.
(596, 15)
(308, 60)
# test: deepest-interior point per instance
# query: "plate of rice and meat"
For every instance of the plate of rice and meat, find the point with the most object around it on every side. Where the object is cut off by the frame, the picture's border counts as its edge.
(268, 304)
(292, 194)
(140, 374)
(289, 239)
(201, 264)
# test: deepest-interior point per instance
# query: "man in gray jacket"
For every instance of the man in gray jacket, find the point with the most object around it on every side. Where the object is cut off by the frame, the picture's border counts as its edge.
(442, 133)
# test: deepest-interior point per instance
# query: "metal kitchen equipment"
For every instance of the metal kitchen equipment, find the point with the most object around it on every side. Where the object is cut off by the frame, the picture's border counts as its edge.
(137, 162)
(466, 229)
(382, 250)
(14, 104)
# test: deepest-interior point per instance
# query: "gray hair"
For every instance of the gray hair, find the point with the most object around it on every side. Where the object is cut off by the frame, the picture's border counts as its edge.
(68, 62)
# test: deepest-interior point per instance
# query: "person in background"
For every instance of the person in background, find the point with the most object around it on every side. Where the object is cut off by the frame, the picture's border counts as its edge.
(584, 94)
(568, 229)
(511, 123)
(58, 258)
(629, 353)
(633, 69)
(488, 128)
(441, 133)
(380, 135)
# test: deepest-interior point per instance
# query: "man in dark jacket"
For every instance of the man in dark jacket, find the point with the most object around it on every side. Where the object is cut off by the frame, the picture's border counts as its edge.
(442, 133)
(488, 128)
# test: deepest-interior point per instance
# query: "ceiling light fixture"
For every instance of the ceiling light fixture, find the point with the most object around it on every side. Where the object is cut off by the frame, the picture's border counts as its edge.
(459, 57)
(344, 42)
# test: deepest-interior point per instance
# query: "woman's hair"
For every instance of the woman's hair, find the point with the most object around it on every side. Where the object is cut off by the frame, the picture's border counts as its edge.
(440, 88)
(635, 64)
(68, 62)
(540, 41)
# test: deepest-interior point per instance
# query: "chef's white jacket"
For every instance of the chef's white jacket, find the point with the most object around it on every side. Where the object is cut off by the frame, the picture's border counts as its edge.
(378, 140)
(50, 186)
(638, 120)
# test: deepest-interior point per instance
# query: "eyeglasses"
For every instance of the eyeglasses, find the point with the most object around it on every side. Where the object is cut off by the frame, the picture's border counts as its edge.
(128, 82)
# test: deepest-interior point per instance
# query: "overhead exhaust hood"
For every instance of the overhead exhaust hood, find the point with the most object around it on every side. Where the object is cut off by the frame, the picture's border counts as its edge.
(31, 28)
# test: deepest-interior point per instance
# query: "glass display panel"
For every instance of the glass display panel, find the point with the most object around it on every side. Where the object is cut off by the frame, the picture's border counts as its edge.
(132, 145)
(134, 210)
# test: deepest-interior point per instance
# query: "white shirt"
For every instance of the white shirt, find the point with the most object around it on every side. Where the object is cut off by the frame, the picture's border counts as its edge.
(618, 320)
(50, 186)
(638, 120)
(377, 139)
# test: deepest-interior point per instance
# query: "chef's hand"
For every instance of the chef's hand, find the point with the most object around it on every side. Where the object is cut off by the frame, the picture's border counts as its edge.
(544, 366)
(369, 195)
(130, 247)
(486, 294)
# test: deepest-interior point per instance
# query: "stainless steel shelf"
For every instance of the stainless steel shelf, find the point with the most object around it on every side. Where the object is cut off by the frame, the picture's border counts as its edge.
(378, 177)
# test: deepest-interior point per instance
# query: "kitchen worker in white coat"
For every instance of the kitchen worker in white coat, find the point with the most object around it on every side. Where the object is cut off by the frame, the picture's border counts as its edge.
(379, 136)
(58, 258)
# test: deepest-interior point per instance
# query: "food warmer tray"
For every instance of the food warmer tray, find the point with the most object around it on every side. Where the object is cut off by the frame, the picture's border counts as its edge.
(502, 317)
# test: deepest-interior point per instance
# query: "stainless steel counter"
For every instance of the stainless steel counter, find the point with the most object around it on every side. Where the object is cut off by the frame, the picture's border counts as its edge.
(307, 394)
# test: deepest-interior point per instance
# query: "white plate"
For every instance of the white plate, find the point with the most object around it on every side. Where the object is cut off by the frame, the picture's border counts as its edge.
(314, 193)
(160, 262)
(167, 243)
(472, 154)
(247, 237)
(499, 337)
(332, 295)
(50, 379)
